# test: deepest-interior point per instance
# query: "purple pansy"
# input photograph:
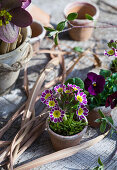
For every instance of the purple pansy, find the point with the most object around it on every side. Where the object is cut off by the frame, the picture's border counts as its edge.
(82, 112)
(81, 97)
(94, 83)
(51, 102)
(12, 16)
(46, 95)
(112, 100)
(60, 88)
(56, 114)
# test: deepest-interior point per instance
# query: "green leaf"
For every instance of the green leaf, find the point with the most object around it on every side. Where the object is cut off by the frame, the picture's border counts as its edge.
(103, 126)
(89, 17)
(49, 29)
(109, 119)
(99, 161)
(61, 26)
(72, 16)
(56, 39)
(98, 120)
(113, 45)
(76, 81)
(78, 49)
(101, 114)
(105, 73)
(52, 33)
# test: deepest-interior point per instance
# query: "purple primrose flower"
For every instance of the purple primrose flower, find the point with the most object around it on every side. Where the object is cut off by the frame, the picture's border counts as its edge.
(81, 97)
(94, 83)
(74, 87)
(60, 88)
(82, 112)
(46, 95)
(112, 100)
(12, 16)
(56, 114)
(51, 102)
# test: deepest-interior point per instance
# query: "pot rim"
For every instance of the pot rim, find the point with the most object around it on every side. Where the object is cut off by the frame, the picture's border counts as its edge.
(26, 40)
(66, 9)
(40, 36)
(67, 137)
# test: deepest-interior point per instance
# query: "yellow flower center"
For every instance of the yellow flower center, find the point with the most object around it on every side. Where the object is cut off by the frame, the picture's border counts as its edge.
(94, 84)
(60, 90)
(5, 17)
(51, 103)
(80, 111)
(79, 98)
(67, 91)
(56, 113)
(47, 95)
(75, 89)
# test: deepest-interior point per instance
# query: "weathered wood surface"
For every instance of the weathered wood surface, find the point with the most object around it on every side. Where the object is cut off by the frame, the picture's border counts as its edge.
(85, 159)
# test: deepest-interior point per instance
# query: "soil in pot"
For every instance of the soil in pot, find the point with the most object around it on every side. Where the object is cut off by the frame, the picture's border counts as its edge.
(61, 142)
(93, 115)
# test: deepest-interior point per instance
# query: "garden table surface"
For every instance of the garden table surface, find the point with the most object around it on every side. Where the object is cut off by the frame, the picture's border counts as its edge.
(85, 159)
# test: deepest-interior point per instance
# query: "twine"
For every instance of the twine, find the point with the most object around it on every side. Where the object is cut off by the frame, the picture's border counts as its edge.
(19, 64)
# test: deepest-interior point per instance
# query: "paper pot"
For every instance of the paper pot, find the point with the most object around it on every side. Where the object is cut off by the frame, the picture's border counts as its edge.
(82, 8)
(93, 115)
(10, 63)
(61, 142)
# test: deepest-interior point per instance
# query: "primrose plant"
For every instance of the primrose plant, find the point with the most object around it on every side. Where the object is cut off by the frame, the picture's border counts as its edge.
(68, 109)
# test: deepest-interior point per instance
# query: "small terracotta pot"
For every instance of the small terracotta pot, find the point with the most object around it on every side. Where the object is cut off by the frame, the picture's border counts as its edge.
(93, 115)
(61, 142)
(38, 33)
(82, 8)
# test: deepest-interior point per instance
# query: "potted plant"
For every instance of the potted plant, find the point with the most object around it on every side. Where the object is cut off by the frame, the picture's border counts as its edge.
(98, 89)
(14, 38)
(112, 53)
(67, 121)
(82, 8)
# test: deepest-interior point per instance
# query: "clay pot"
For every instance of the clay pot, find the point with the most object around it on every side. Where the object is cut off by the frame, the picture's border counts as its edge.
(82, 8)
(61, 142)
(38, 33)
(93, 115)
(11, 62)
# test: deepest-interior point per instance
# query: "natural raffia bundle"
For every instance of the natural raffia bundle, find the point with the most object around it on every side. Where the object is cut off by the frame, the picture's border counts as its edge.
(32, 126)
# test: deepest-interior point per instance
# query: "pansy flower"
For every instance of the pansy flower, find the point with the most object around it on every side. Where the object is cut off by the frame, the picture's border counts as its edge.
(56, 114)
(112, 100)
(82, 112)
(46, 95)
(13, 16)
(52, 102)
(94, 83)
(74, 87)
(60, 88)
(81, 97)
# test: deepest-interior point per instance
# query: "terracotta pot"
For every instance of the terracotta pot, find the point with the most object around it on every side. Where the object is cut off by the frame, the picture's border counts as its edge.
(82, 8)
(38, 33)
(61, 142)
(10, 63)
(93, 115)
